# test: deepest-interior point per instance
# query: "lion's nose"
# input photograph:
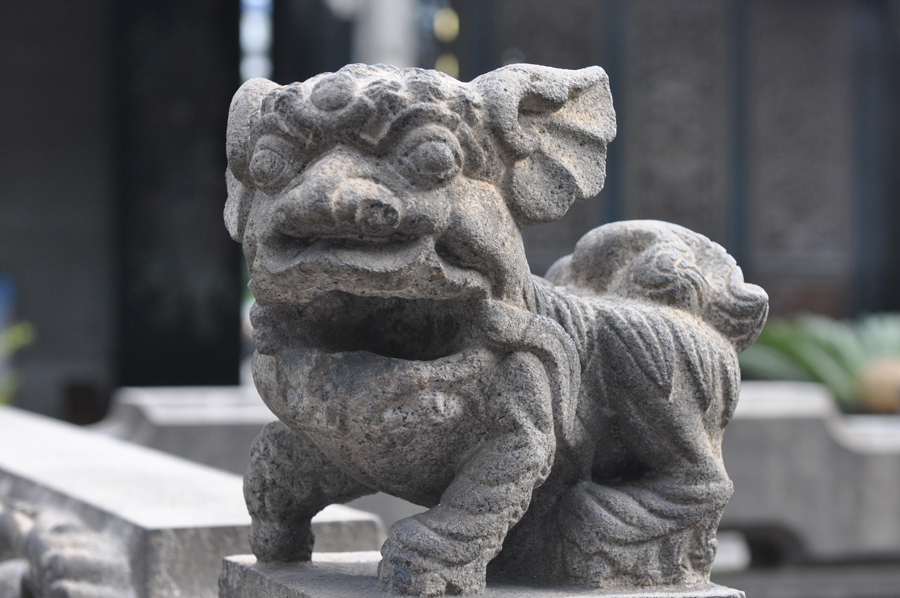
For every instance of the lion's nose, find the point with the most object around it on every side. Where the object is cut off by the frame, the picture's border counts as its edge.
(370, 207)
(351, 205)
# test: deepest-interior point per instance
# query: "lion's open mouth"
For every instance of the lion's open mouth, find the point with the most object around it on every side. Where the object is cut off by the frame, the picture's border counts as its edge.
(302, 273)
(393, 327)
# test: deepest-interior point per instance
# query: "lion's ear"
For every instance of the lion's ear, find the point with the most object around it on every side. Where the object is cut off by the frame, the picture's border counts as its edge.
(243, 113)
(554, 125)
(237, 206)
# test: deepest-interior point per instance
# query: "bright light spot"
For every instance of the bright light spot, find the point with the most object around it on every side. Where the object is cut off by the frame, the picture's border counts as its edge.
(733, 553)
(512, 56)
(447, 63)
(265, 5)
(446, 25)
(256, 65)
(256, 38)
(256, 32)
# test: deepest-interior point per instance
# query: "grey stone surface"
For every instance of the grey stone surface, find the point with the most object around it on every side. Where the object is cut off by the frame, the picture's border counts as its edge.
(210, 425)
(811, 484)
(563, 430)
(538, 32)
(390, 508)
(339, 529)
(848, 580)
(11, 573)
(67, 492)
(215, 426)
(172, 518)
(243, 577)
(66, 559)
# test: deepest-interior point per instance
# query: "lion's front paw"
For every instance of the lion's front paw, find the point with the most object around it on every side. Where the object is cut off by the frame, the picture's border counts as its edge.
(281, 542)
(416, 572)
(402, 572)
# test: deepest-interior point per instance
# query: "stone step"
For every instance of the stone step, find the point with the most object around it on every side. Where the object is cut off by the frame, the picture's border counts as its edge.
(243, 577)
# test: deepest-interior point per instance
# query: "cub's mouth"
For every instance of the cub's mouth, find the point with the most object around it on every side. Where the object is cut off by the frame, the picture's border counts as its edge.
(389, 327)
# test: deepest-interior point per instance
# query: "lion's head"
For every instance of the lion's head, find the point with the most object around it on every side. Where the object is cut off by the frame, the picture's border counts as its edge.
(380, 207)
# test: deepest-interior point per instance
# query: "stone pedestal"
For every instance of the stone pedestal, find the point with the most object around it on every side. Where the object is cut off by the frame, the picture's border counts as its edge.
(832, 580)
(243, 577)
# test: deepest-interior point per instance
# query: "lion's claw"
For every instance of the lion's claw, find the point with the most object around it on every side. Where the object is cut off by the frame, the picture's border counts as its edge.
(404, 571)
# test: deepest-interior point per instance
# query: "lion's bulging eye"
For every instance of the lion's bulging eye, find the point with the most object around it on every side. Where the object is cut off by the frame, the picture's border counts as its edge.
(431, 155)
(433, 158)
(267, 165)
(274, 162)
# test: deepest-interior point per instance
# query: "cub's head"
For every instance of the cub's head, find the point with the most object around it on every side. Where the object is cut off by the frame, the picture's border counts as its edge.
(669, 265)
(376, 194)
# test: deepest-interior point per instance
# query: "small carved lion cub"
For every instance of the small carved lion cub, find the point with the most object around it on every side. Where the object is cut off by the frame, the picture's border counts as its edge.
(569, 432)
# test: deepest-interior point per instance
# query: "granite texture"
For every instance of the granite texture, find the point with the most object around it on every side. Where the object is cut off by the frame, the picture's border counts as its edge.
(564, 430)
(215, 426)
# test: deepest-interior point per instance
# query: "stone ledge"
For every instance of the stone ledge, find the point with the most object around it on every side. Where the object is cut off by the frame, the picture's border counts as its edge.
(793, 457)
(832, 580)
(243, 577)
(175, 519)
(213, 425)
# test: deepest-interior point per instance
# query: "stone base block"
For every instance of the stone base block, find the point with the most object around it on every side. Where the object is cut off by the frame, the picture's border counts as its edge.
(834, 580)
(243, 577)
(788, 442)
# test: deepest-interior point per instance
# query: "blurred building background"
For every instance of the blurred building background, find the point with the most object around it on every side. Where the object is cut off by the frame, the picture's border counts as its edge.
(770, 126)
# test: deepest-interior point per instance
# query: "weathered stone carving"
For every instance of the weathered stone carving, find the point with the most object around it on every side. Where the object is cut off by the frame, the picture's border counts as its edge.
(567, 432)
(48, 554)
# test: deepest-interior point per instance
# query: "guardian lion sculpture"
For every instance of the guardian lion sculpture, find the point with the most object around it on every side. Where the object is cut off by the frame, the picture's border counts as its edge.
(563, 429)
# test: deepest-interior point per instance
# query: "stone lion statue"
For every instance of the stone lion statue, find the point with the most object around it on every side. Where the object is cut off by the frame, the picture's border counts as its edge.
(563, 429)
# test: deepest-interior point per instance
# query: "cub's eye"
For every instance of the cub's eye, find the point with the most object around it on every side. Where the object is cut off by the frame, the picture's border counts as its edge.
(273, 164)
(431, 155)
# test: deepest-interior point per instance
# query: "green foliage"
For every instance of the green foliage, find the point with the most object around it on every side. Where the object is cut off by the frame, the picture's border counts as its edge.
(12, 339)
(817, 348)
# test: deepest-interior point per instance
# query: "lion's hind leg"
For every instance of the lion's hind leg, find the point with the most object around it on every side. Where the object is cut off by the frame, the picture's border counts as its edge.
(634, 534)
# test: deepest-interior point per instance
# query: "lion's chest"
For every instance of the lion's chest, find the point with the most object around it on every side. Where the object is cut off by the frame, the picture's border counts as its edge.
(382, 420)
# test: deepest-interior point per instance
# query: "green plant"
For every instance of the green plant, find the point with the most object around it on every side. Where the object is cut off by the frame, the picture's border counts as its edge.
(858, 360)
(12, 339)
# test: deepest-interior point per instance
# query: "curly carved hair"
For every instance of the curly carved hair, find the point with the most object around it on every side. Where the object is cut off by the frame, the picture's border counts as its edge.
(670, 265)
